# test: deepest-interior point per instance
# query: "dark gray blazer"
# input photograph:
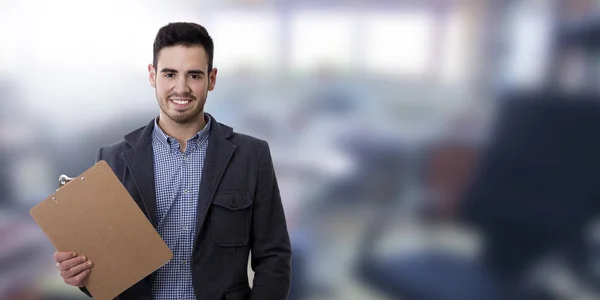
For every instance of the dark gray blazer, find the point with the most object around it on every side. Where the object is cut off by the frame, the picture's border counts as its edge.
(239, 213)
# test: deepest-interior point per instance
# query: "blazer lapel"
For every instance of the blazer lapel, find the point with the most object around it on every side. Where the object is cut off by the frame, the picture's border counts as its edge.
(140, 161)
(218, 154)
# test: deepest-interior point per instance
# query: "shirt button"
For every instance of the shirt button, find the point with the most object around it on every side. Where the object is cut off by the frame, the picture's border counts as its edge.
(184, 157)
(185, 191)
(184, 262)
(185, 228)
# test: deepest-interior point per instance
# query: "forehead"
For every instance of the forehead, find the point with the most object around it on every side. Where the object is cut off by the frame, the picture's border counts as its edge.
(182, 58)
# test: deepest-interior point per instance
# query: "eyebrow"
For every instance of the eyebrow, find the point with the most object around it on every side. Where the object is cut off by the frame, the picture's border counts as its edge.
(167, 70)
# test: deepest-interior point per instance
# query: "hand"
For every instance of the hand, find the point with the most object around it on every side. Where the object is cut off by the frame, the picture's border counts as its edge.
(73, 269)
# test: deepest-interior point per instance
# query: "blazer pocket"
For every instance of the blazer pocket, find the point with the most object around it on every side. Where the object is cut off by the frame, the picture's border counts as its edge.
(231, 218)
(240, 293)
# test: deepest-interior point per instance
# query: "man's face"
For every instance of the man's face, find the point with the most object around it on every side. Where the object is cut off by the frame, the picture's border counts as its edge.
(182, 82)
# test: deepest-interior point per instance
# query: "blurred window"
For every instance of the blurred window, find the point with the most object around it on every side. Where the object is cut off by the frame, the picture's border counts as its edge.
(528, 34)
(399, 42)
(455, 49)
(322, 40)
(245, 39)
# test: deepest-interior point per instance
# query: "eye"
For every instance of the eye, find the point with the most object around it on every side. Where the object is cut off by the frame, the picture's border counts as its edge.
(169, 75)
(195, 76)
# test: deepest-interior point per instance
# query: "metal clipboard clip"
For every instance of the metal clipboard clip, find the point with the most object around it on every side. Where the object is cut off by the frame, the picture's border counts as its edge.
(63, 180)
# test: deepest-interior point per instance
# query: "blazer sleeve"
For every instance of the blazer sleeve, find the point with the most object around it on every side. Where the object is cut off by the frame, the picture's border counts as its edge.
(99, 155)
(271, 248)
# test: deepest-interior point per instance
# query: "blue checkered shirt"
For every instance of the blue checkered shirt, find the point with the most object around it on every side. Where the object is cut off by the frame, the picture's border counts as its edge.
(177, 178)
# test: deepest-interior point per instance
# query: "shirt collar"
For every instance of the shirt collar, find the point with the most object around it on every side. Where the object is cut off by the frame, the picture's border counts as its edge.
(167, 140)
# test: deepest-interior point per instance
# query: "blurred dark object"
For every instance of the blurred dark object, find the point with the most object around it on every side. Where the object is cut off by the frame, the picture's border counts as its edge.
(574, 58)
(534, 194)
(536, 187)
(583, 33)
(6, 196)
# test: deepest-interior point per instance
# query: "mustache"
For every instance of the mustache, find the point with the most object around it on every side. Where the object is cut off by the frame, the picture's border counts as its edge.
(184, 95)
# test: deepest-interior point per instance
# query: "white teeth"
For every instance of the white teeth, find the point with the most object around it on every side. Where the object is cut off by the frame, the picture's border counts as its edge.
(181, 101)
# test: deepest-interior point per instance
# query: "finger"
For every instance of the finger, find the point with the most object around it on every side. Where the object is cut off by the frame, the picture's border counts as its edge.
(78, 279)
(67, 264)
(76, 270)
(62, 256)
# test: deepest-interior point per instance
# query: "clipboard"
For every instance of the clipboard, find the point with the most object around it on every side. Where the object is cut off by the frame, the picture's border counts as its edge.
(94, 215)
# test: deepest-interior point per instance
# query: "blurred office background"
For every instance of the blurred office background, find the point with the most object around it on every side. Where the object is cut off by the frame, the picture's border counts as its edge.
(425, 149)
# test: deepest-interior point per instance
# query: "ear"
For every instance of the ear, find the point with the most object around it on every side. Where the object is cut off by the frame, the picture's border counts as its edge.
(212, 79)
(152, 75)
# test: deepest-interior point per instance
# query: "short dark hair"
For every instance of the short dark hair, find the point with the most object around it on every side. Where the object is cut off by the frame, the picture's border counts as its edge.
(184, 34)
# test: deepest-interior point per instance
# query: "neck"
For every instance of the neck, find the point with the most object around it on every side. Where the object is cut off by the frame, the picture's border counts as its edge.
(182, 132)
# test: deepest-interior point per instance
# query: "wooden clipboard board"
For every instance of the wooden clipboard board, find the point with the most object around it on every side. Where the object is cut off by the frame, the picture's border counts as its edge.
(95, 216)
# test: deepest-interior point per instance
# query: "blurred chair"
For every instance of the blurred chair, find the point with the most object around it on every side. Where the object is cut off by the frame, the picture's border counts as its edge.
(535, 189)
(533, 195)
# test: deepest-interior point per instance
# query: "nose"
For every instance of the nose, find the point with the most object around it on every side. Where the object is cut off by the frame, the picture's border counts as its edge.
(182, 85)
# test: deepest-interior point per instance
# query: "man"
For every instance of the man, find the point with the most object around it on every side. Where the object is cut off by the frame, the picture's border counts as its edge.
(211, 193)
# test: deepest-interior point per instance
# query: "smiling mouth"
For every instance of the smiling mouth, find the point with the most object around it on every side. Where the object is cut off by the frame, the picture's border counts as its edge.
(181, 101)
